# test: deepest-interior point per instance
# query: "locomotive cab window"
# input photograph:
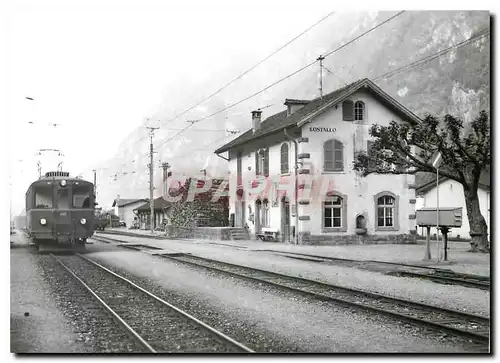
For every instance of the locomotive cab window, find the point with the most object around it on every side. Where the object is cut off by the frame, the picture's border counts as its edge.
(63, 198)
(43, 196)
(81, 196)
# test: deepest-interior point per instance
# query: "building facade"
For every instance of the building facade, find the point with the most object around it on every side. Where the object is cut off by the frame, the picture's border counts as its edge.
(451, 194)
(124, 209)
(334, 203)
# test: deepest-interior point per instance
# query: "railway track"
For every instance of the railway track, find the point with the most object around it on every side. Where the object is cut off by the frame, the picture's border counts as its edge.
(156, 325)
(434, 274)
(453, 322)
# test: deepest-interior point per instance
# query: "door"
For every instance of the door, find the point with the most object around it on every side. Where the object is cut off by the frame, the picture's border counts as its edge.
(257, 217)
(285, 220)
(239, 214)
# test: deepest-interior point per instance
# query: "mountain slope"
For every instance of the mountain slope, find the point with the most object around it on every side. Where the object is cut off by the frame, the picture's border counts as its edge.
(456, 83)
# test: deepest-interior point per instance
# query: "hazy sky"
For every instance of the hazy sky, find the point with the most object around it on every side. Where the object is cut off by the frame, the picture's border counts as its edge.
(97, 69)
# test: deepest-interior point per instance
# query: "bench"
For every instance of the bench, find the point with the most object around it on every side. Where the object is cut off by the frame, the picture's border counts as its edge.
(268, 234)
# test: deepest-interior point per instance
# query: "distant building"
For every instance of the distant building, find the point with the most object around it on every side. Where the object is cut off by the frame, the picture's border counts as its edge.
(335, 204)
(451, 194)
(124, 209)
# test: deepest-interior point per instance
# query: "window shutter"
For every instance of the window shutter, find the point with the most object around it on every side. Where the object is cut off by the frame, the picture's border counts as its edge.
(256, 163)
(328, 155)
(339, 156)
(266, 162)
(348, 111)
(284, 159)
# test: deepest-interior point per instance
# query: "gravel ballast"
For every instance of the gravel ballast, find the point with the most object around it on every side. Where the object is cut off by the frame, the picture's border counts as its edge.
(92, 324)
(270, 320)
(454, 297)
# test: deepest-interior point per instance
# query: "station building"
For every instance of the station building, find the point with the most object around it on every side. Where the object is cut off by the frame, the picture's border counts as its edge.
(334, 203)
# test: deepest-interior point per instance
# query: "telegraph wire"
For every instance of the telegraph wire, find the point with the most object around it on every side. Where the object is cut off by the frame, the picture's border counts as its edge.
(250, 69)
(363, 34)
(284, 78)
(481, 34)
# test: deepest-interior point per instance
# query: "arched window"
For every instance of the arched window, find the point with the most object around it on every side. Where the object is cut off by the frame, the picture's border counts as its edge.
(333, 153)
(385, 211)
(334, 213)
(284, 159)
(359, 111)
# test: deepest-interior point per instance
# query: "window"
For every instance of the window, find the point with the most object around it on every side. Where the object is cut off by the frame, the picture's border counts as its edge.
(385, 211)
(359, 111)
(333, 155)
(284, 159)
(262, 162)
(43, 196)
(333, 212)
(265, 213)
(63, 198)
(81, 196)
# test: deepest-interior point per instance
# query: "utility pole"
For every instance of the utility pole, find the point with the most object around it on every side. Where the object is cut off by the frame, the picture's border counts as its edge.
(95, 184)
(151, 200)
(321, 75)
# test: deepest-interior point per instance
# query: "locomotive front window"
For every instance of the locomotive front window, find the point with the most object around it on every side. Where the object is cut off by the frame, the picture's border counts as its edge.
(63, 198)
(81, 196)
(43, 196)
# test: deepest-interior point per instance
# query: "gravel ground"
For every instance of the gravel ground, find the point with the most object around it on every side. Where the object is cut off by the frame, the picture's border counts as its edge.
(455, 297)
(45, 329)
(269, 320)
(459, 259)
(92, 324)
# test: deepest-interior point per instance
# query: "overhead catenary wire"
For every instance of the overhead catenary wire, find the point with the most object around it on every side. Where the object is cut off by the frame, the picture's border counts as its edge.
(282, 79)
(251, 68)
(481, 34)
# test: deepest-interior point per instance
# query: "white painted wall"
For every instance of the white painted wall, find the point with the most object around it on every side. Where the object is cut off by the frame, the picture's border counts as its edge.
(360, 191)
(451, 194)
(126, 213)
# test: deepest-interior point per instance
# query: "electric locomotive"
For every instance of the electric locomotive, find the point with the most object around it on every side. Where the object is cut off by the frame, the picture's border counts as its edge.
(60, 212)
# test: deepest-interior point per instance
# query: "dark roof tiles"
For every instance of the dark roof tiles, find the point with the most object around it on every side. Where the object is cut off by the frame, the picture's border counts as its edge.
(282, 120)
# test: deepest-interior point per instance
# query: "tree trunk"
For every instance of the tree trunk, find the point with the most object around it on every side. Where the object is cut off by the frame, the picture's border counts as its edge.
(478, 227)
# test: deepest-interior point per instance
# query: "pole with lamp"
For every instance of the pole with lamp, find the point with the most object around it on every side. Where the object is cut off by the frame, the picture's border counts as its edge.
(436, 164)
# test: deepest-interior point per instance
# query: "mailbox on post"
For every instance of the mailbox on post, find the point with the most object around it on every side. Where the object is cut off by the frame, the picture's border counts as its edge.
(448, 218)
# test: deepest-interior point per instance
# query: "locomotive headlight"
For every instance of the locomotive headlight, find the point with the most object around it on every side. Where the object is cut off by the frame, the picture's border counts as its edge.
(63, 183)
(43, 221)
(83, 221)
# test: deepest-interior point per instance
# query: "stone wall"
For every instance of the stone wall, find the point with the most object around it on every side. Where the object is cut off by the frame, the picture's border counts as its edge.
(203, 233)
(308, 239)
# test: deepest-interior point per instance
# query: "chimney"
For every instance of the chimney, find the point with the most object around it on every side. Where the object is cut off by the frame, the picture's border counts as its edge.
(256, 120)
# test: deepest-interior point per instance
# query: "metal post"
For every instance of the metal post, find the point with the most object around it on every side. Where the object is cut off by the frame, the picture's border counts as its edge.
(428, 244)
(95, 183)
(320, 75)
(296, 239)
(151, 200)
(437, 214)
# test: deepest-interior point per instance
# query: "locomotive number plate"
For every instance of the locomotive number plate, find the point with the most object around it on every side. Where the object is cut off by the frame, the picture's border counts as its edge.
(62, 213)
